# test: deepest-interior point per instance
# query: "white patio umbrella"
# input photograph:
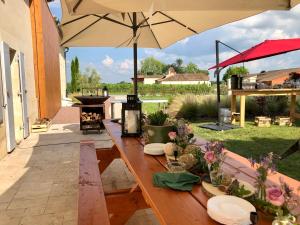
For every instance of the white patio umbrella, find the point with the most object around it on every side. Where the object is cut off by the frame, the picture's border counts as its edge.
(151, 24)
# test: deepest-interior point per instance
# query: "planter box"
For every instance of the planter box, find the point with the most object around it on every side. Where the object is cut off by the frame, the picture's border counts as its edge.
(283, 121)
(158, 134)
(262, 121)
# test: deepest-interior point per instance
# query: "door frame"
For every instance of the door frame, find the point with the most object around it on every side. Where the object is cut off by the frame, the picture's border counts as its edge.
(23, 94)
(8, 97)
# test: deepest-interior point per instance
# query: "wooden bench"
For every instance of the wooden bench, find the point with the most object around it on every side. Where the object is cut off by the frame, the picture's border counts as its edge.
(92, 209)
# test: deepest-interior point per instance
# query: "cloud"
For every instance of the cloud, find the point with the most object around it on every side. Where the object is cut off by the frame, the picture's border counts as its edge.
(108, 61)
(184, 41)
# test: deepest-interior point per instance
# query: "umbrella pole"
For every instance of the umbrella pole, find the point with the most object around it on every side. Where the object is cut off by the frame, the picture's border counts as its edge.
(134, 23)
(217, 73)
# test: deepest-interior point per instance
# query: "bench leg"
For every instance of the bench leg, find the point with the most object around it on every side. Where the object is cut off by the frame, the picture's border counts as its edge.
(106, 156)
(121, 206)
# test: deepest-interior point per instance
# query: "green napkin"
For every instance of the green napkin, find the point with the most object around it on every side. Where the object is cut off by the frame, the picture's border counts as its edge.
(178, 181)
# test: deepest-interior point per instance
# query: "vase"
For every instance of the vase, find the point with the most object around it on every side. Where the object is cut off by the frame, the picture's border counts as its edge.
(284, 220)
(214, 175)
(261, 191)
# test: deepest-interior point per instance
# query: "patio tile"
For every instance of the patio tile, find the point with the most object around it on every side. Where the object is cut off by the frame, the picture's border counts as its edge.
(31, 190)
(5, 220)
(61, 204)
(47, 219)
(13, 213)
(27, 203)
(60, 189)
(7, 193)
(3, 205)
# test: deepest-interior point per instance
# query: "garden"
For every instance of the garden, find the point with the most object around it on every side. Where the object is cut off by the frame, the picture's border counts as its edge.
(251, 141)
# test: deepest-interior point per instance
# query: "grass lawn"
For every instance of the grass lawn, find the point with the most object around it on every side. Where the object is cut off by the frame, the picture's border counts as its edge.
(255, 141)
(153, 107)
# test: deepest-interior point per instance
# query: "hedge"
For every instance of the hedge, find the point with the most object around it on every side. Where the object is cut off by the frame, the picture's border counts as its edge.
(160, 89)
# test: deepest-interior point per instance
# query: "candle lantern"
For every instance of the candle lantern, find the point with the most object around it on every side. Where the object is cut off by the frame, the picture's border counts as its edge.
(105, 91)
(132, 117)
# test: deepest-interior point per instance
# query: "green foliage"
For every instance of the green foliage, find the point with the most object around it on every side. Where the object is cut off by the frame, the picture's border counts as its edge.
(159, 89)
(75, 75)
(90, 78)
(193, 68)
(157, 118)
(235, 70)
(150, 66)
(237, 189)
(193, 107)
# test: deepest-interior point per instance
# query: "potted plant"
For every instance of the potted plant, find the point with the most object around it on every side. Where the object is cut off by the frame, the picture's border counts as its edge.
(157, 127)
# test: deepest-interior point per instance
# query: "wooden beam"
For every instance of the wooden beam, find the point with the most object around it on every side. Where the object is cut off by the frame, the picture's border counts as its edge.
(233, 107)
(123, 205)
(242, 110)
(106, 156)
(293, 106)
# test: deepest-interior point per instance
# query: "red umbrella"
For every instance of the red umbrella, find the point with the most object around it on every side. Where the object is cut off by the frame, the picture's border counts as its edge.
(263, 50)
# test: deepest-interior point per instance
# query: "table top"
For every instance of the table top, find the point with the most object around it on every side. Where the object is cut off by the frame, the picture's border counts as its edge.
(175, 207)
(253, 92)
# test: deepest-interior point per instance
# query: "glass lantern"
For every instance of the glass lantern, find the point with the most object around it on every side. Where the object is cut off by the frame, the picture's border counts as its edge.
(132, 117)
(105, 91)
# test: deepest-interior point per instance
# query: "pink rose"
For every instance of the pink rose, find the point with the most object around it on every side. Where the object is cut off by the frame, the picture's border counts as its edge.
(172, 135)
(274, 195)
(210, 157)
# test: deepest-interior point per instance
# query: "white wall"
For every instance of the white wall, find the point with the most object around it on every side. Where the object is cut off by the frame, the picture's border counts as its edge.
(150, 80)
(15, 30)
(186, 82)
(63, 76)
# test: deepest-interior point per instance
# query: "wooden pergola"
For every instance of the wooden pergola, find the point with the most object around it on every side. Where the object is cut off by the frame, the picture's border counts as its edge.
(263, 92)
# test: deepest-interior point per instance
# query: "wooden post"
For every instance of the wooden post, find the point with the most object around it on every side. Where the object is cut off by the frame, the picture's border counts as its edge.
(242, 110)
(293, 106)
(233, 108)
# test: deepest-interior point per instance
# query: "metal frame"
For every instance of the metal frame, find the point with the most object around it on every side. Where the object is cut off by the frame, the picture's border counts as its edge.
(217, 73)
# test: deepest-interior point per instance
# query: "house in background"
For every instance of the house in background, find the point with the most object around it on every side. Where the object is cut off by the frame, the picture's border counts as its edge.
(173, 78)
(148, 79)
(273, 77)
(29, 69)
(187, 78)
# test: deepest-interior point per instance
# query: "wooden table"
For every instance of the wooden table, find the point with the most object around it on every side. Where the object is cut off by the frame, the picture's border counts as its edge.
(171, 207)
(263, 92)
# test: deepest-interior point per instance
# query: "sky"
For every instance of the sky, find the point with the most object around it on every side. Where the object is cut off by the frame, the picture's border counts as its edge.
(116, 64)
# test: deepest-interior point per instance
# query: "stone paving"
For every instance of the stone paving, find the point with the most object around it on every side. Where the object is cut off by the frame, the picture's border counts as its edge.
(39, 180)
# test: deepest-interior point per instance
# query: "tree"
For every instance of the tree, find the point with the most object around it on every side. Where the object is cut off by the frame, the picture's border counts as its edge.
(178, 66)
(235, 70)
(150, 66)
(75, 75)
(90, 78)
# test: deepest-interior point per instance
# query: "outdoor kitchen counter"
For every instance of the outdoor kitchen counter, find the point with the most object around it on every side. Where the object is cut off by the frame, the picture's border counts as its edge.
(263, 92)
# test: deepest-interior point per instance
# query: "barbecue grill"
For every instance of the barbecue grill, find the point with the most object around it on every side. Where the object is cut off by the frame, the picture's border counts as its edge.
(92, 109)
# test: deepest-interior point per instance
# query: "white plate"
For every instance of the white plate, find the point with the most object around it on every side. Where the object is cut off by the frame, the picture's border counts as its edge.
(154, 149)
(229, 210)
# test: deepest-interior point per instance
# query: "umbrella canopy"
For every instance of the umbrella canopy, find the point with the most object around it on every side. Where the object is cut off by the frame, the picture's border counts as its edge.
(103, 6)
(151, 24)
(265, 49)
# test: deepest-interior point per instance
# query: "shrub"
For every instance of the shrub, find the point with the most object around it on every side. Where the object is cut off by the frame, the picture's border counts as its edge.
(193, 107)
(157, 118)
(159, 89)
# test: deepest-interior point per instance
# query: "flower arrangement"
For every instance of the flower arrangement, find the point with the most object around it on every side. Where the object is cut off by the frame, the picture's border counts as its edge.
(278, 201)
(182, 135)
(214, 156)
(264, 167)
